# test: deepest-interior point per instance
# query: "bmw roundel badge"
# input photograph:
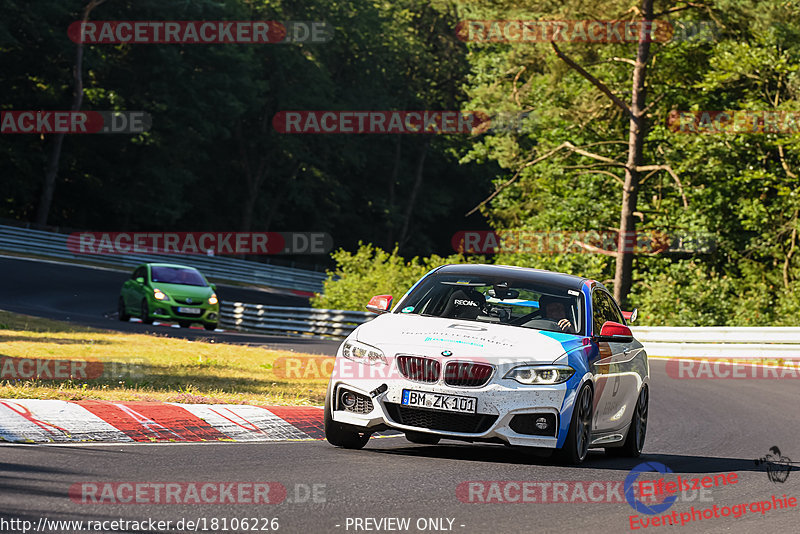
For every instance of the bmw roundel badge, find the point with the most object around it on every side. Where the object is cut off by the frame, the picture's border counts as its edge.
(446, 353)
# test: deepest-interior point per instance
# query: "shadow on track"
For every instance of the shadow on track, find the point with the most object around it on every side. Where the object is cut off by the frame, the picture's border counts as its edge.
(597, 459)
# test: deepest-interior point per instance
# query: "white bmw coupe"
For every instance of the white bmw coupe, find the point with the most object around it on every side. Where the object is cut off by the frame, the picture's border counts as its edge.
(488, 353)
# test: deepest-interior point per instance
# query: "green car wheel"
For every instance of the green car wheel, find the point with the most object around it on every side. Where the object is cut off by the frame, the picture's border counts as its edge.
(121, 311)
(145, 313)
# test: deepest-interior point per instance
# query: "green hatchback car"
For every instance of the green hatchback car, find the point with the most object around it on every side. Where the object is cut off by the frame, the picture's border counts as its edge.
(168, 292)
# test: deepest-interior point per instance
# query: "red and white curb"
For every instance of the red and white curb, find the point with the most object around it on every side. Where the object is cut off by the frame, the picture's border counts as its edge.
(42, 421)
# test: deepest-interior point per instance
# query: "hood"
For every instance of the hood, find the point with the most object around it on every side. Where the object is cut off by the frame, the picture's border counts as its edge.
(183, 291)
(429, 336)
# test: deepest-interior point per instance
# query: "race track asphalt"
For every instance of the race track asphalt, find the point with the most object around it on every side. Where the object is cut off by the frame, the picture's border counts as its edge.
(697, 428)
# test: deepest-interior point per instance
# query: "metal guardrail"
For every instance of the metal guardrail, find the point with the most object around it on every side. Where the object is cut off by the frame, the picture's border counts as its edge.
(718, 334)
(695, 342)
(720, 341)
(53, 245)
(287, 320)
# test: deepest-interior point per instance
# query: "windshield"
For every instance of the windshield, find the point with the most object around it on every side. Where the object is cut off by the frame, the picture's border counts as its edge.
(507, 301)
(177, 275)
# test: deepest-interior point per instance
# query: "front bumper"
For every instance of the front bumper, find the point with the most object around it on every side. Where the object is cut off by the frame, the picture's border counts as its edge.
(501, 411)
(168, 310)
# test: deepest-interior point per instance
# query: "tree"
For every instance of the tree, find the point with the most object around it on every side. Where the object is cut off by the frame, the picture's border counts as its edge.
(49, 184)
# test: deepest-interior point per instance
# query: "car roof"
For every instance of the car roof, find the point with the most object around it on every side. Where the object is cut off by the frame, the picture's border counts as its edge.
(173, 265)
(526, 273)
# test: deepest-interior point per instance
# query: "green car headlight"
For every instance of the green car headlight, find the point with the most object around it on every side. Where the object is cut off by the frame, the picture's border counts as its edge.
(159, 295)
(213, 299)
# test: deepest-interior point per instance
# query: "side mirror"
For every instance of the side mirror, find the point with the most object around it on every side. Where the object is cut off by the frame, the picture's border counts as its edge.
(615, 333)
(380, 304)
(213, 287)
(140, 280)
(631, 315)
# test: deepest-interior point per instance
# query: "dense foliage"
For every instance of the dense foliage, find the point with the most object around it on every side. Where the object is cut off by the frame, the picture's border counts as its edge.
(212, 160)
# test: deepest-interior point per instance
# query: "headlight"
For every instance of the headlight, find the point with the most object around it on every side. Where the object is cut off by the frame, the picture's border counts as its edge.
(359, 352)
(213, 299)
(541, 374)
(159, 295)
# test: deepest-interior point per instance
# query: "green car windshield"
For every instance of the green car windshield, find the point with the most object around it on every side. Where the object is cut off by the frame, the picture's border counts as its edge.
(177, 275)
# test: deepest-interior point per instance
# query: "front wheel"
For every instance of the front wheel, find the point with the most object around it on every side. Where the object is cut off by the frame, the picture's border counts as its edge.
(576, 447)
(341, 435)
(123, 314)
(145, 313)
(210, 326)
(634, 442)
(184, 324)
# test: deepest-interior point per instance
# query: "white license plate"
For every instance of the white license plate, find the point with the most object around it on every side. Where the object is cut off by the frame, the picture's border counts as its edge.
(437, 401)
(194, 311)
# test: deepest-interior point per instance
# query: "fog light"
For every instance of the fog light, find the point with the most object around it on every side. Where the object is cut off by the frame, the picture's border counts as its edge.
(212, 316)
(541, 423)
(348, 399)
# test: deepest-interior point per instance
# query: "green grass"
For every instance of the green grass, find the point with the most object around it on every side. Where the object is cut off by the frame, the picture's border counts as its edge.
(148, 367)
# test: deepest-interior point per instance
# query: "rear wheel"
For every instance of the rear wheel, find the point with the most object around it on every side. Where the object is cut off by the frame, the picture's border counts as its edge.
(576, 447)
(341, 435)
(184, 324)
(634, 442)
(121, 311)
(422, 438)
(144, 312)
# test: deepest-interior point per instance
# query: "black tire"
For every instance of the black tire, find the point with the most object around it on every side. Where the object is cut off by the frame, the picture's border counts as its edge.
(576, 447)
(144, 312)
(210, 326)
(634, 441)
(422, 438)
(184, 324)
(122, 313)
(341, 435)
